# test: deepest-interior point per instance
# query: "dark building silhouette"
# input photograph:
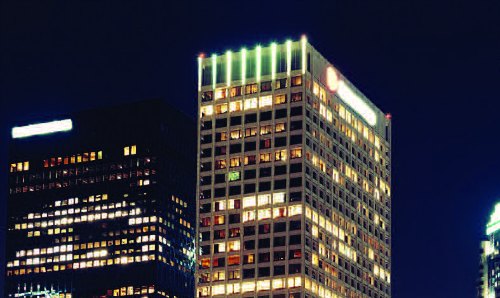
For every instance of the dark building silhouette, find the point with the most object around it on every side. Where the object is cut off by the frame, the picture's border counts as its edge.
(101, 204)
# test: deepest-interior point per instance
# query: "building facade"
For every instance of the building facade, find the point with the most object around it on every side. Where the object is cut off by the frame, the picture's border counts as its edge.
(293, 178)
(489, 268)
(101, 204)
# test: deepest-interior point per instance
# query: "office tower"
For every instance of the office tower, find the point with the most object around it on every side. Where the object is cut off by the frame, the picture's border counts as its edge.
(101, 204)
(294, 178)
(489, 268)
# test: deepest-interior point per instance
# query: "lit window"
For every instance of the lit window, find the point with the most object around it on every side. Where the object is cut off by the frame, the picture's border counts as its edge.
(280, 127)
(236, 134)
(249, 202)
(264, 199)
(248, 216)
(280, 155)
(266, 101)
(221, 109)
(294, 210)
(220, 93)
(280, 99)
(235, 162)
(207, 111)
(264, 214)
(265, 157)
(250, 131)
(235, 106)
(266, 129)
(278, 197)
(250, 103)
(296, 153)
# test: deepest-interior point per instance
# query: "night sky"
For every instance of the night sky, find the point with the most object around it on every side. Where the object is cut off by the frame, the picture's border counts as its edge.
(434, 67)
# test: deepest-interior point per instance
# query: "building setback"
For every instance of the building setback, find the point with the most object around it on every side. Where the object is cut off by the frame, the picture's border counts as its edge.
(101, 204)
(489, 268)
(294, 180)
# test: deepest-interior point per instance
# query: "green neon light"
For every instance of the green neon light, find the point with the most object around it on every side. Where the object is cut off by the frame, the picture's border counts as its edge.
(273, 60)
(303, 42)
(228, 67)
(494, 223)
(214, 70)
(258, 56)
(288, 57)
(243, 65)
(234, 176)
(200, 61)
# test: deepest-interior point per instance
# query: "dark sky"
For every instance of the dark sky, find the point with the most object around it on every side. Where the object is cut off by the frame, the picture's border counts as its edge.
(434, 66)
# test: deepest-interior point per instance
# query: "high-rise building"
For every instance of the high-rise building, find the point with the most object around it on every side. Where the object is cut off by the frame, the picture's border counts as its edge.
(489, 268)
(294, 178)
(101, 204)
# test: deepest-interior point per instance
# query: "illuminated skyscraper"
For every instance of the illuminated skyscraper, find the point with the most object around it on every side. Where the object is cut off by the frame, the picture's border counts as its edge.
(489, 269)
(294, 178)
(101, 204)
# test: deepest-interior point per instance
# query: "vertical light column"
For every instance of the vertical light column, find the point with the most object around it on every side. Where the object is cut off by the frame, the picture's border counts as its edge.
(258, 62)
(303, 42)
(288, 57)
(200, 63)
(228, 67)
(214, 70)
(243, 65)
(273, 61)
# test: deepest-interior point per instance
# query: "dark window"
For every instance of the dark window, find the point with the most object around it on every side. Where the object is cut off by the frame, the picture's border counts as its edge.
(265, 243)
(264, 172)
(248, 231)
(235, 148)
(220, 192)
(220, 123)
(294, 239)
(279, 141)
(295, 225)
(249, 244)
(280, 113)
(248, 273)
(280, 184)
(296, 111)
(234, 190)
(279, 241)
(294, 268)
(295, 167)
(264, 271)
(234, 218)
(295, 182)
(250, 174)
(251, 118)
(264, 186)
(266, 116)
(295, 139)
(249, 188)
(249, 146)
(279, 170)
(279, 270)
(264, 257)
(236, 120)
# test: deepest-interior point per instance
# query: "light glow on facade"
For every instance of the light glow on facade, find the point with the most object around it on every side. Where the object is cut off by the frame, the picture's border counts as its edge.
(214, 70)
(273, 61)
(303, 42)
(288, 57)
(228, 67)
(258, 56)
(332, 79)
(356, 103)
(243, 65)
(200, 71)
(494, 223)
(42, 128)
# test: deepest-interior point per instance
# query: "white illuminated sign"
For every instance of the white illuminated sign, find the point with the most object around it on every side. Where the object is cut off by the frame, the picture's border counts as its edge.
(356, 102)
(41, 128)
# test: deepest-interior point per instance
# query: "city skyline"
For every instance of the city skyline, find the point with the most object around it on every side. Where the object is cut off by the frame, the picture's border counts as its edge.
(431, 65)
